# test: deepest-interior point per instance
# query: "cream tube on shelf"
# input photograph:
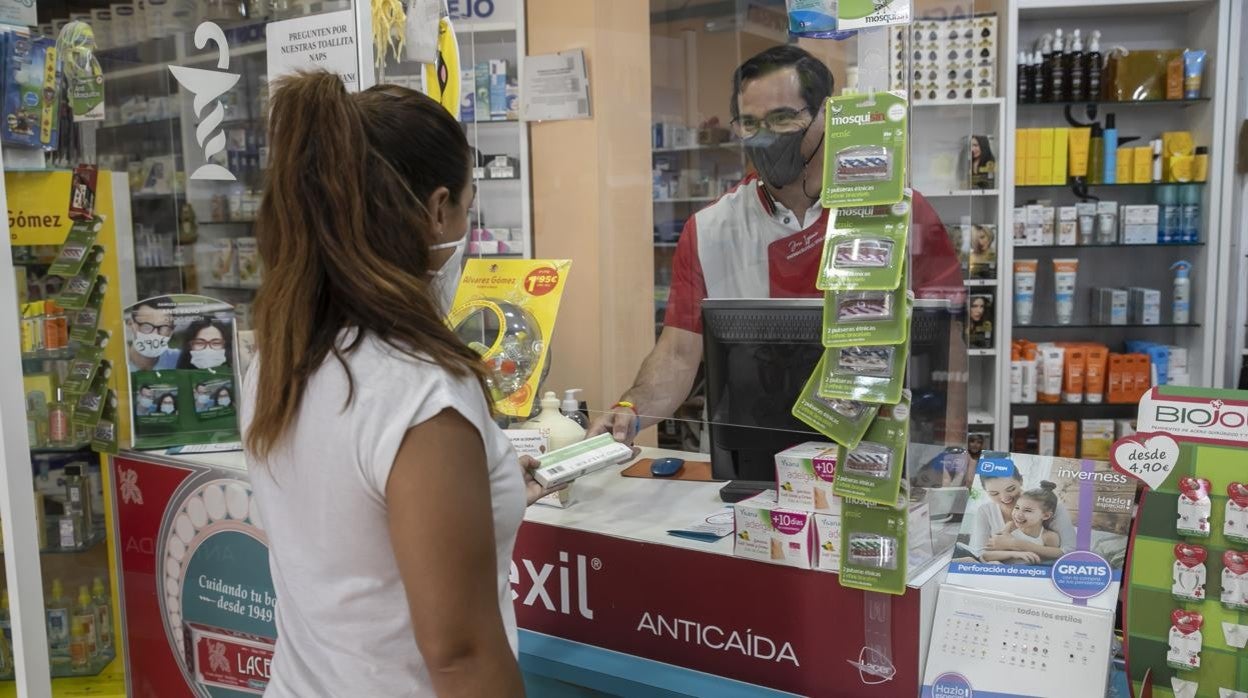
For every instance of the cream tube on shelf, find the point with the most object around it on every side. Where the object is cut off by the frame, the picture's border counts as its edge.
(1065, 272)
(1024, 290)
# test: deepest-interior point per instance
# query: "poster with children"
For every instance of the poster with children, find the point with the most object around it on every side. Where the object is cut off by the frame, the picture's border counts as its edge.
(1046, 528)
(180, 351)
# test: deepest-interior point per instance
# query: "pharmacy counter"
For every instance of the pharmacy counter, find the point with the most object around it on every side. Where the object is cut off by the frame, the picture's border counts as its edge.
(606, 598)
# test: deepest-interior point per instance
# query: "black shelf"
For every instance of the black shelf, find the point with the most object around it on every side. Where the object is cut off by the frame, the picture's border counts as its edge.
(1120, 103)
(1101, 326)
(1129, 185)
(60, 450)
(1114, 245)
(246, 221)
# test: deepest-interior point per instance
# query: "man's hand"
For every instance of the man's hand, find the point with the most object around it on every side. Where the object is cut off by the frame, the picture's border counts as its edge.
(619, 421)
(533, 489)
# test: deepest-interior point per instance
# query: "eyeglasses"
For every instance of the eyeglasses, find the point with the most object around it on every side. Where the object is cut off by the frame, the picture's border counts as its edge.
(201, 344)
(777, 121)
(149, 328)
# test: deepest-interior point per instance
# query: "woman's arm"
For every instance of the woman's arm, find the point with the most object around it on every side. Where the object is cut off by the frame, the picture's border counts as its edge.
(1007, 555)
(1045, 551)
(439, 491)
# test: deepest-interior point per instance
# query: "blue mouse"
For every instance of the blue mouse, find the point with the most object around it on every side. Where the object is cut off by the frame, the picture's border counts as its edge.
(666, 467)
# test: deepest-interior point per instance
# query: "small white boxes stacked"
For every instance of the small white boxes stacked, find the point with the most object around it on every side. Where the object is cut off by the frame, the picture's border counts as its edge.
(950, 59)
(798, 524)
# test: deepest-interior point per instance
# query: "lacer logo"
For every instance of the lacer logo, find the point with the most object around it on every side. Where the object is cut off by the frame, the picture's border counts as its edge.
(539, 577)
(873, 666)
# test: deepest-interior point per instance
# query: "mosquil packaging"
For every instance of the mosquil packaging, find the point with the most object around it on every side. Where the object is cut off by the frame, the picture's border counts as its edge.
(864, 373)
(843, 421)
(84, 323)
(76, 47)
(89, 405)
(865, 248)
(77, 290)
(872, 471)
(506, 310)
(79, 247)
(864, 161)
(82, 370)
(864, 14)
(768, 532)
(873, 547)
(804, 476)
(104, 436)
(866, 317)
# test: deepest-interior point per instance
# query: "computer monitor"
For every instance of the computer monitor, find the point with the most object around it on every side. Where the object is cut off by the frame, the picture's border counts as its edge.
(759, 353)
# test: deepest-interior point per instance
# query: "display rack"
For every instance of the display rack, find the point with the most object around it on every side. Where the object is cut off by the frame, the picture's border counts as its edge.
(501, 220)
(1139, 24)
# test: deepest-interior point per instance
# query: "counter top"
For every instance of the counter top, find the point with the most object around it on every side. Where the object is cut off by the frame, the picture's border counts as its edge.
(606, 503)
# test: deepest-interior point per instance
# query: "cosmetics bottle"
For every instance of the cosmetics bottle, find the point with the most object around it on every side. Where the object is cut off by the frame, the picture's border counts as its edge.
(1189, 200)
(60, 432)
(1046, 69)
(1039, 68)
(1024, 79)
(1092, 68)
(1074, 69)
(1200, 166)
(1110, 136)
(1182, 310)
(1057, 72)
(1096, 155)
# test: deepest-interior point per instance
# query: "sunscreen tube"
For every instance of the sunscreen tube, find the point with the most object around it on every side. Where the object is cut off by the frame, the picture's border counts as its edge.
(1073, 388)
(1052, 359)
(1065, 272)
(1024, 289)
(1094, 373)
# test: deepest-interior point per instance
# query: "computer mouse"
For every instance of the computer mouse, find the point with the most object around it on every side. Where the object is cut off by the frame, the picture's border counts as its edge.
(666, 467)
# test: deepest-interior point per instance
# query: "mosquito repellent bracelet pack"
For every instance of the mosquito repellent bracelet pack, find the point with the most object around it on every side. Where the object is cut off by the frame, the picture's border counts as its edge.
(843, 421)
(864, 249)
(855, 318)
(873, 550)
(864, 162)
(872, 471)
(865, 373)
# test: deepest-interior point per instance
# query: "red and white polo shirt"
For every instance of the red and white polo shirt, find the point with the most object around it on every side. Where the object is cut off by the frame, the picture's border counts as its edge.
(748, 245)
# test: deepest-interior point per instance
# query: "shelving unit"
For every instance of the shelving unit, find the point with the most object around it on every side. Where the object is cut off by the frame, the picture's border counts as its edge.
(500, 203)
(1141, 24)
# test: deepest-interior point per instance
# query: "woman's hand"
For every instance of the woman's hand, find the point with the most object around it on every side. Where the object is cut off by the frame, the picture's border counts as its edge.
(533, 489)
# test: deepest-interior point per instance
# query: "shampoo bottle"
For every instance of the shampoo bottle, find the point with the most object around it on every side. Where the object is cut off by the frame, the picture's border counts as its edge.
(1190, 216)
(558, 429)
(1038, 81)
(1046, 69)
(1092, 68)
(1057, 67)
(1096, 155)
(1182, 293)
(1110, 136)
(571, 408)
(1074, 68)
(1024, 79)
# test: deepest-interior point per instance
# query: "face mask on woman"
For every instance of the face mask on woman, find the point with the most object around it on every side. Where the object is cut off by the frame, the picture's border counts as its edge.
(207, 358)
(167, 408)
(445, 279)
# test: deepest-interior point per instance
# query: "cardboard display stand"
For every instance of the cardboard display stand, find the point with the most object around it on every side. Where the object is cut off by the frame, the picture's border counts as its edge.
(1027, 607)
(1186, 610)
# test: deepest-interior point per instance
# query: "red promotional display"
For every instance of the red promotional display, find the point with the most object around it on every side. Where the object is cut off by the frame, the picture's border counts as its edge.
(788, 629)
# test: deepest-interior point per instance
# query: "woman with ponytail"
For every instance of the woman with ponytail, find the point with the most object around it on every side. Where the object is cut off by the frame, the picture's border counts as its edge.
(390, 498)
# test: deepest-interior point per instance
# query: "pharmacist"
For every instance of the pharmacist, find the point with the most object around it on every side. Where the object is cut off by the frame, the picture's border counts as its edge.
(764, 238)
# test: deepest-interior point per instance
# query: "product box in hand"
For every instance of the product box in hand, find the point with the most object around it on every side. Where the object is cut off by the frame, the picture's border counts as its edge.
(566, 464)
(768, 532)
(804, 476)
(29, 84)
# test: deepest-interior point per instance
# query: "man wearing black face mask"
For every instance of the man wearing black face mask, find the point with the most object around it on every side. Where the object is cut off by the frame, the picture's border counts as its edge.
(764, 238)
